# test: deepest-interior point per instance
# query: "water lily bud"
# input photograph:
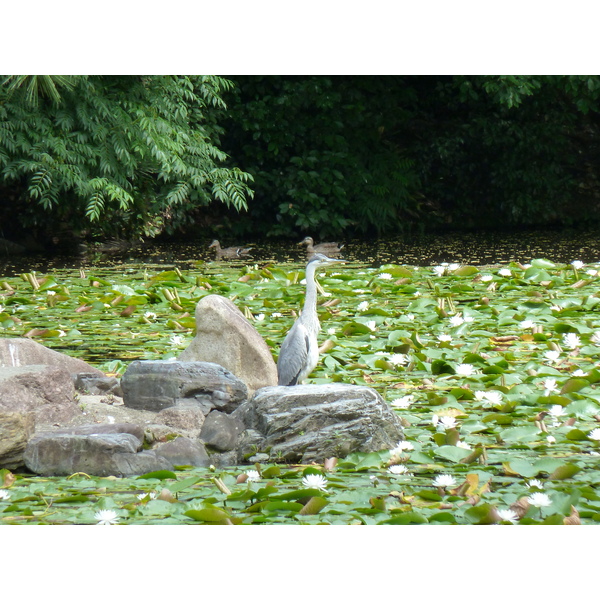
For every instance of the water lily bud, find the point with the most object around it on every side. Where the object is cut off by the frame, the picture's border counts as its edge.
(166, 494)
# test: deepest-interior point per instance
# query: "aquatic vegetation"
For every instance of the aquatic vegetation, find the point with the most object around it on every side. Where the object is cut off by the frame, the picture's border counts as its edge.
(493, 371)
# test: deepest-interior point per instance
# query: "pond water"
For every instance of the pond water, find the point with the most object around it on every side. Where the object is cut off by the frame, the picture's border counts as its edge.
(487, 248)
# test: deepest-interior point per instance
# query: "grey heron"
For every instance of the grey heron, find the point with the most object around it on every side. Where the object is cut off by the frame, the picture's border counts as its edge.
(233, 252)
(299, 352)
(324, 248)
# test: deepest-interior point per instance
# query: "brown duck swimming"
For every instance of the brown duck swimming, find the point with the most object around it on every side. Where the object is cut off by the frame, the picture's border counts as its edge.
(232, 252)
(323, 248)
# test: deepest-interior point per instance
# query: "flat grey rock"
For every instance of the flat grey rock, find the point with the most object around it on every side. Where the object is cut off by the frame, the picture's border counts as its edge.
(156, 385)
(307, 423)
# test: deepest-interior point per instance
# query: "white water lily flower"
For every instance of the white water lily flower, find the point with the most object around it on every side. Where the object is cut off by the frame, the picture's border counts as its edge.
(456, 320)
(595, 339)
(253, 475)
(151, 495)
(506, 514)
(480, 395)
(536, 483)
(453, 266)
(447, 422)
(527, 324)
(492, 398)
(463, 445)
(400, 448)
(465, 369)
(595, 434)
(504, 272)
(398, 359)
(372, 325)
(260, 317)
(315, 481)
(176, 340)
(4, 495)
(579, 373)
(404, 445)
(552, 356)
(276, 315)
(410, 317)
(556, 410)
(404, 402)
(444, 481)
(571, 340)
(550, 386)
(444, 337)
(551, 439)
(486, 278)
(106, 517)
(578, 264)
(591, 272)
(364, 305)
(439, 270)
(331, 331)
(150, 315)
(539, 499)
(398, 470)
(385, 275)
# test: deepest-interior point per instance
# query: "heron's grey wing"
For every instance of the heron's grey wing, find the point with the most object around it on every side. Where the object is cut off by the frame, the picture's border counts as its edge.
(293, 355)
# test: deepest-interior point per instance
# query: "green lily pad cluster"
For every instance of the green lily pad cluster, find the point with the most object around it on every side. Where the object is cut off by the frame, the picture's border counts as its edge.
(493, 371)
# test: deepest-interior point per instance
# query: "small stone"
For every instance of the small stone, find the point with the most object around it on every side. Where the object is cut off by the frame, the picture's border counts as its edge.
(183, 451)
(220, 431)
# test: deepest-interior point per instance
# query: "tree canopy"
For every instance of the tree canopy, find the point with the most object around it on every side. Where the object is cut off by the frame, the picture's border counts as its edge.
(130, 156)
(115, 155)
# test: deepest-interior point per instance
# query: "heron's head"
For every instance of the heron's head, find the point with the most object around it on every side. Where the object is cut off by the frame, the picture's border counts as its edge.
(320, 260)
(306, 241)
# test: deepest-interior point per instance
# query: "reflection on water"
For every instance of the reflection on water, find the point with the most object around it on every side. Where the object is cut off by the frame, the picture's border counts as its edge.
(488, 248)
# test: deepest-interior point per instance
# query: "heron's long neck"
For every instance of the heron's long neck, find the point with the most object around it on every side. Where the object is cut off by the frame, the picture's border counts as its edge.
(310, 300)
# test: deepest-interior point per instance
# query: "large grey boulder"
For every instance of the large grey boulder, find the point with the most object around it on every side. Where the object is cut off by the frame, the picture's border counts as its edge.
(225, 337)
(21, 352)
(45, 391)
(156, 385)
(15, 430)
(101, 451)
(307, 423)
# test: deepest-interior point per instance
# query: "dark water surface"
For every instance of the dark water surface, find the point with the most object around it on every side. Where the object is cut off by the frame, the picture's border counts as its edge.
(489, 248)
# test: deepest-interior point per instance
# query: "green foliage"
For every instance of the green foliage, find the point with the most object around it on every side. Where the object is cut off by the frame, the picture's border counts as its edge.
(319, 155)
(323, 154)
(356, 155)
(114, 155)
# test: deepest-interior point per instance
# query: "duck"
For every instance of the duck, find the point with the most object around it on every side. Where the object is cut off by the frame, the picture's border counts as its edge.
(323, 248)
(232, 252)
